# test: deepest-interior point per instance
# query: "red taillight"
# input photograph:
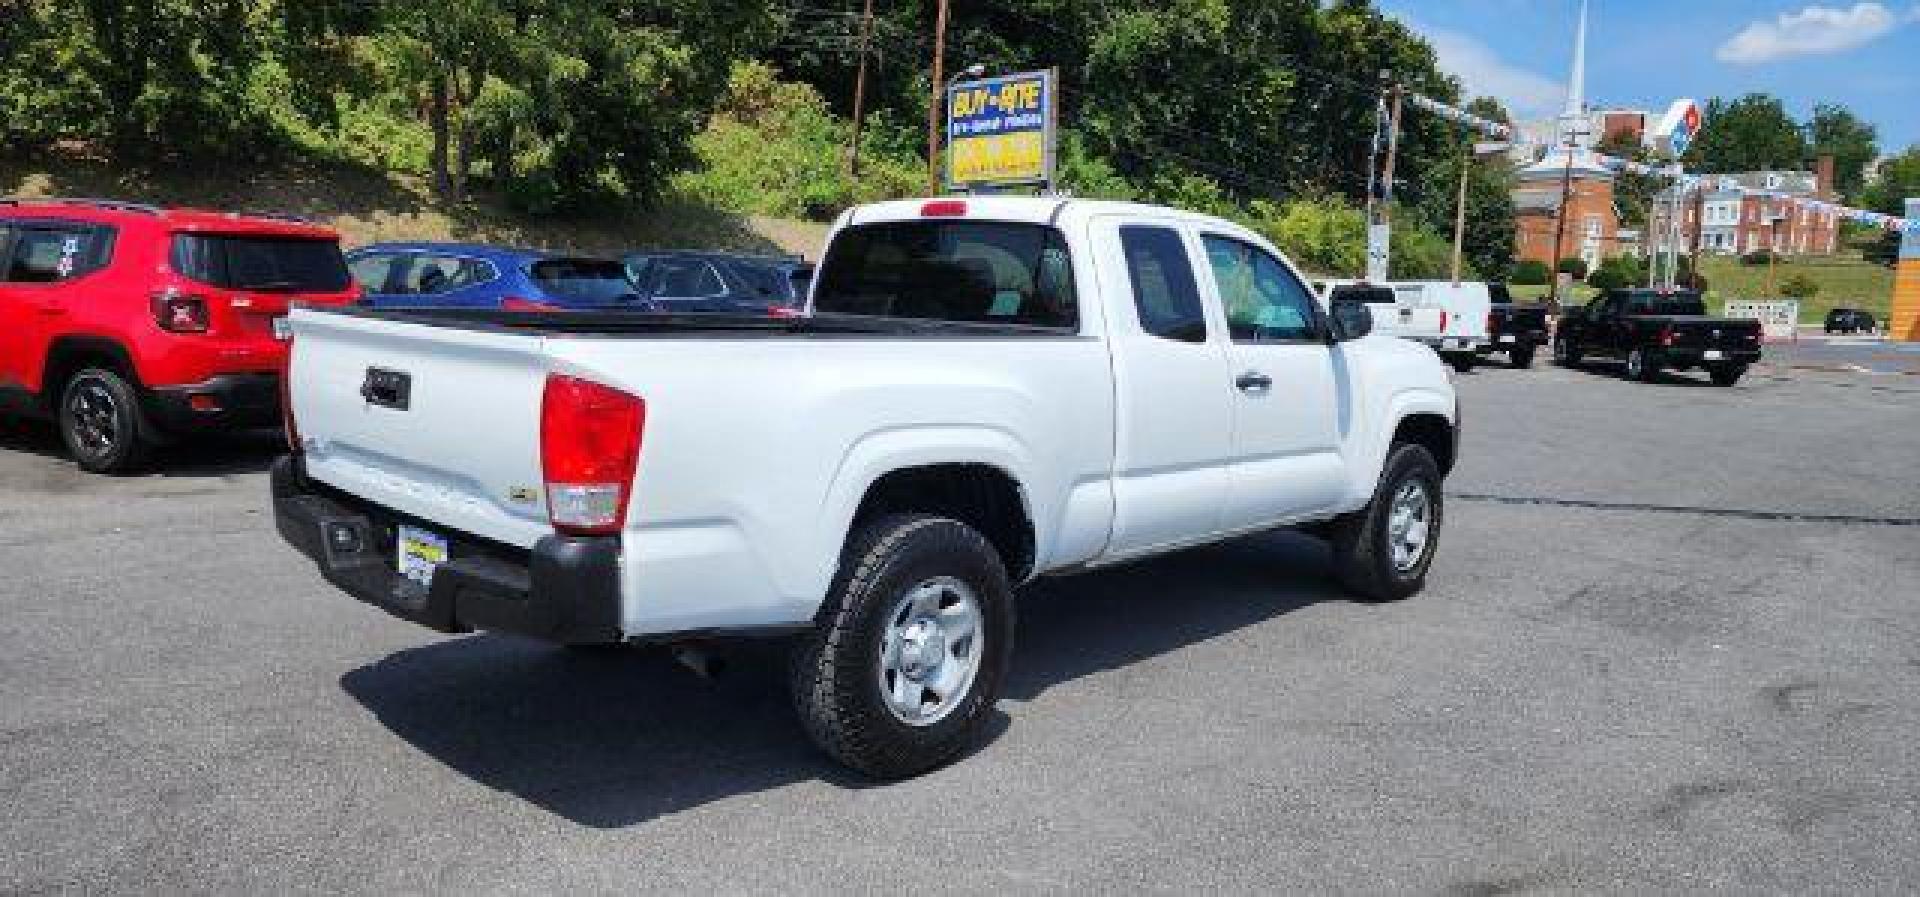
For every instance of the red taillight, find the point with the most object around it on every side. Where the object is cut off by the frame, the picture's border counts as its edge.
(1666, 336)
(1443, 320)
(589, 446)
(515, 303)
(785, 311)
(180, 313)
(1489, 322)
(943, 208)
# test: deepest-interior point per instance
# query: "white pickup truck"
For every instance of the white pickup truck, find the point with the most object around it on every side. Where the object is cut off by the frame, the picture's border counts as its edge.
(987, 390)
(1450, 318)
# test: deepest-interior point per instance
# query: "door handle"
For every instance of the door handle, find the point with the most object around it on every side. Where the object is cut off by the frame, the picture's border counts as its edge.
(1253, 381)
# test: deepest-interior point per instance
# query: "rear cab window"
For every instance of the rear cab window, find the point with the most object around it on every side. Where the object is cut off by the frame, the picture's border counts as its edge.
(261, 263)
(961, 271)
(1164, 292)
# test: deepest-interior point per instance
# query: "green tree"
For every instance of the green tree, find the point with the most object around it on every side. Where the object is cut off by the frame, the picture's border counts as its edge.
(1752, 133)
(1897, 180)
(1633, 193)
(1617, 272)
(1852, 143)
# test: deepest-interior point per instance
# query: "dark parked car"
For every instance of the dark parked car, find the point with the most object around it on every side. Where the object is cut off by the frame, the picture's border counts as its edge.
(465, 275)
(734, 283)
(1518, 330)
(1654, 330)
(1849, 320)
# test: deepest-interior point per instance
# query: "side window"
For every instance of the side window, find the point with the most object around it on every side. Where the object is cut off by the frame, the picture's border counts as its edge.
(1164, 293)
(686, 279)
(54, 254)
(1263, 300)
(376, 272)
(433, 274)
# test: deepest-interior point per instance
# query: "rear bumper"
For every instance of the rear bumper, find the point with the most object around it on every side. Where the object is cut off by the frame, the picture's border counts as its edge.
(229, 402)
(1699, 356)
(566, 590)
(1524, 339)
(1455, 344)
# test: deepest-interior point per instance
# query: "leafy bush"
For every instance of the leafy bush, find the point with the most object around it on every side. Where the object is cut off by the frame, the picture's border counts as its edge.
(1529, 272)
(1616, 273)
(1760, 257)
(1575, 266)
(1800, 286)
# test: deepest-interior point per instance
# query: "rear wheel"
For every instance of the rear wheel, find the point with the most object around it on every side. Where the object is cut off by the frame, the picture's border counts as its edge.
(1642, 366)
(101, 422)
(1461, 361)
(1382, 552)
(1726, 374)
(911, 646)
(1520, 358)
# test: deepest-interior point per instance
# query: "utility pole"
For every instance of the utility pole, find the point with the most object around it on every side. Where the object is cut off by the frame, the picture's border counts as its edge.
(1699, 230)
(1460, 212)
(935, 99)
(860, 91)
(1560, 228)
(1379, 214)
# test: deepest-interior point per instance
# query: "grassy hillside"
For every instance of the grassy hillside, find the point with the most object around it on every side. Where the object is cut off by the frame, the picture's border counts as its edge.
(368, 206)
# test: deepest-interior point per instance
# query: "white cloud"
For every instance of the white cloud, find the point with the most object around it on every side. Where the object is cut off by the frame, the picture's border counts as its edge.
(1525, 94)
(1813, 31)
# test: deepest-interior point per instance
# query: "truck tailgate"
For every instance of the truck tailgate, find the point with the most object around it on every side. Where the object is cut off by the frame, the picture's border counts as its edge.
(439, 423)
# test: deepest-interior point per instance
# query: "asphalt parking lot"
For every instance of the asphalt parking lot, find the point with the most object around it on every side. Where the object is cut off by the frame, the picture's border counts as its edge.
(1671, 641)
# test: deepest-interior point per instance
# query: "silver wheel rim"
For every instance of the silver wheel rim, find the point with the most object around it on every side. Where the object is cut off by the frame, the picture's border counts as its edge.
(1636, 363)
(95, 418)
(1409, 524)
(930, 650)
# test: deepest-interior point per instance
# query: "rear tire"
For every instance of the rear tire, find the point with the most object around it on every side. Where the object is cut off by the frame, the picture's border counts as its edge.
(1642, 366)
(1726, 374)
(1565, 355)
(1375, 554)
(910, 649)
(1520, 358)
(101, 422)
(1461, 361)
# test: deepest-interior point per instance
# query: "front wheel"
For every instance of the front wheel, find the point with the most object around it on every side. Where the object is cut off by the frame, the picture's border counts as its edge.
(1382, 551)
(911, 646)
(1726, 374)
(1520, 358)
(101, 422)
(1641, 366)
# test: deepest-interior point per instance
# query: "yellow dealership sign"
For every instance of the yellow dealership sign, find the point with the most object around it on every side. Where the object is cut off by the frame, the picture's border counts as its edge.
(1000, 131)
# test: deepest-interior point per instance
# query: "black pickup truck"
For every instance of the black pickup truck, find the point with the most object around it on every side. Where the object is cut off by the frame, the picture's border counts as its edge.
(1653, 330)
(1517, 330)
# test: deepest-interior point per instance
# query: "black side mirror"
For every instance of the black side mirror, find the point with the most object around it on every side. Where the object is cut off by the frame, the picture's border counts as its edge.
(1351, 320)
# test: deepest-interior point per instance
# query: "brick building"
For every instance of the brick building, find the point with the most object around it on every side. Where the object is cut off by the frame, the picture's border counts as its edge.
(1737, 221)
(1593, 222)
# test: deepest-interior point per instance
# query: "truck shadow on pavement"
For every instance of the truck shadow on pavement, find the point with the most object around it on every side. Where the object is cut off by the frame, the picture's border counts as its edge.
(613, 740)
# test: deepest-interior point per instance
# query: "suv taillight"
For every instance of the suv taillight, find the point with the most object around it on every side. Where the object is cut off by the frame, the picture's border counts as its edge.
(179, 312)
(1666, 336)
(589, 447)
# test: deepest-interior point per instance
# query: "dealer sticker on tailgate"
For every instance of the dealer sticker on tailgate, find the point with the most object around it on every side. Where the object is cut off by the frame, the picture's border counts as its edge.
(420, 553)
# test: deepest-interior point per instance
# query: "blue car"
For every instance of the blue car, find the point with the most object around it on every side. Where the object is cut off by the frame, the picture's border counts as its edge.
(464, 275)
(681, 281)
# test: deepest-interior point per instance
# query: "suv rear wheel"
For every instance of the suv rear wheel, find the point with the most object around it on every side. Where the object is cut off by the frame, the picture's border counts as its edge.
(100, 421)
(910, 649)
(1642, 366)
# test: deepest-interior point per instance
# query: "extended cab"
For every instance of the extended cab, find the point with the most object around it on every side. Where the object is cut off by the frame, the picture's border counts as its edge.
(987, 390)
(1655, 330)
(131, 326)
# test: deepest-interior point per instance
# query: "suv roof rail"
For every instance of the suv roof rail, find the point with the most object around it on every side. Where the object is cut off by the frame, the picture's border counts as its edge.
(274, 216)
(110, 204)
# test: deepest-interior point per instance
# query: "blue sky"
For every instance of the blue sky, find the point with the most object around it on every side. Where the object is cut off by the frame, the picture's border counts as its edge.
(1646, 53)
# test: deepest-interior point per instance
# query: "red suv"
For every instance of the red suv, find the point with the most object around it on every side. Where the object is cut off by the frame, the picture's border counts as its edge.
(132, 326)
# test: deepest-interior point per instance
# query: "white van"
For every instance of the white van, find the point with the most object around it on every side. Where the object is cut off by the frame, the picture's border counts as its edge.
(1449, 317)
